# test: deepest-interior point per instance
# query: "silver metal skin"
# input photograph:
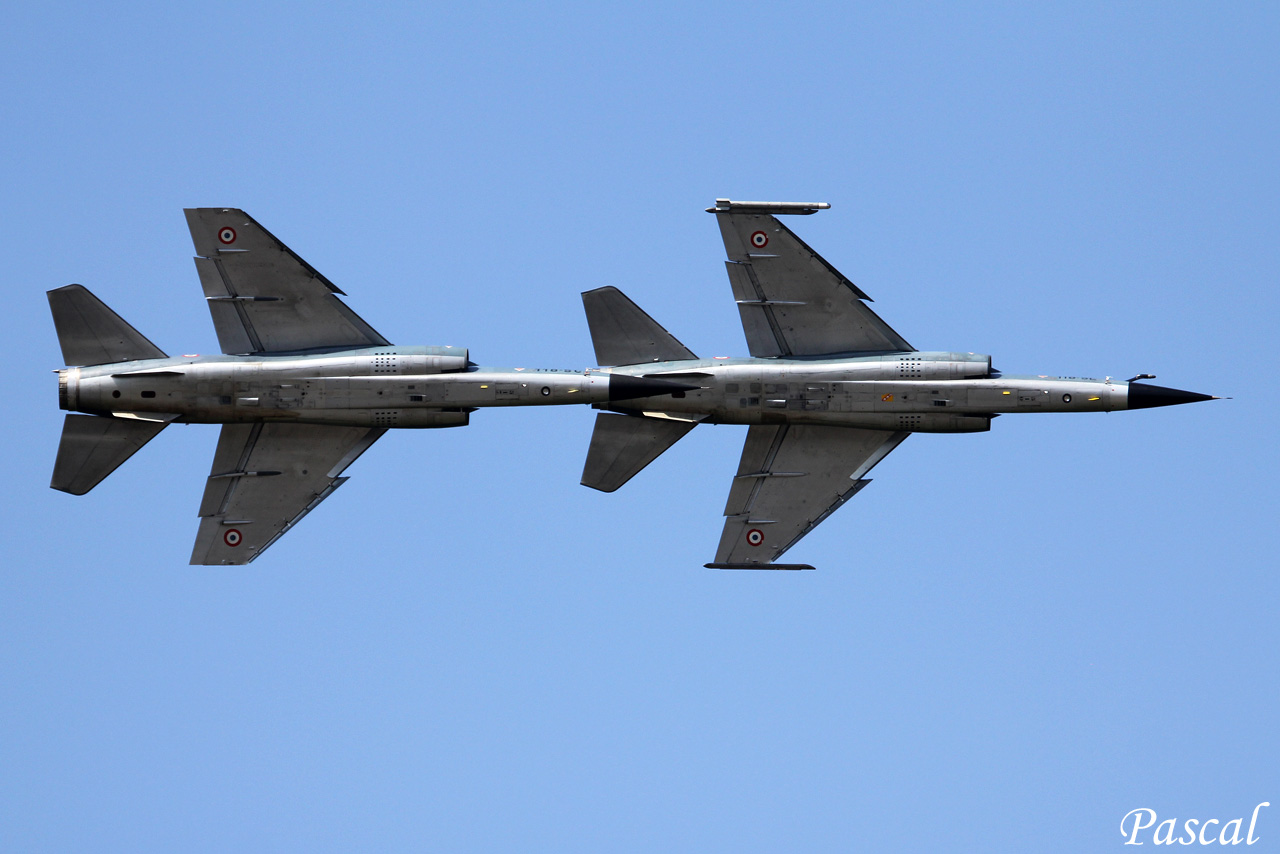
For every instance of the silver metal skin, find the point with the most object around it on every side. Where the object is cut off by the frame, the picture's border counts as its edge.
(386, 386)
(305, 385)
(870, 393)
(856, 392)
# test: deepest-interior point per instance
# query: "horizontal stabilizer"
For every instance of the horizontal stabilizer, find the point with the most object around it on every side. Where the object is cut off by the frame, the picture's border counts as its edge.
(92, 334)
(624, 335)
(93, 446)
(622, 445)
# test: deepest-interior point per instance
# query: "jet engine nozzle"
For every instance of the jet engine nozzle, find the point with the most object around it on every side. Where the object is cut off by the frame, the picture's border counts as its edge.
(69, 389)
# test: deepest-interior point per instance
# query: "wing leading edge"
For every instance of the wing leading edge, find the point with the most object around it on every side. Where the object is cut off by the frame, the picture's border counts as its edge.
(791, 478)
(266, 476)
(792, 301)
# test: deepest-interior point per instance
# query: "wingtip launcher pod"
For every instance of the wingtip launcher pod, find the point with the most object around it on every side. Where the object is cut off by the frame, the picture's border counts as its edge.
(776, 208)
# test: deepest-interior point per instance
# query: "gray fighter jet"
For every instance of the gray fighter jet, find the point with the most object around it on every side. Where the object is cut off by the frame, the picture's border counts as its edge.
(304, 386)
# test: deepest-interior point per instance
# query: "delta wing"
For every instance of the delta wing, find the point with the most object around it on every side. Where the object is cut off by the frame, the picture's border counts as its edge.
(263, 297)
(790, 478)
(792, 302)
(266, 476)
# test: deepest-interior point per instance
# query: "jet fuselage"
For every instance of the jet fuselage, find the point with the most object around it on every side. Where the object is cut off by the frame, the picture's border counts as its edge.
(423, 387)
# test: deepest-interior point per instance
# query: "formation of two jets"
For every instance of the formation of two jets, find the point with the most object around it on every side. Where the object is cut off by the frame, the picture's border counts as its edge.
(304, 386)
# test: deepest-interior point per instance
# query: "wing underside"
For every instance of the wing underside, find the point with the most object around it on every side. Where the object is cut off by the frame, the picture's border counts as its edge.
(262, 296)
(792, 301)
(265, 477)
(791, 478)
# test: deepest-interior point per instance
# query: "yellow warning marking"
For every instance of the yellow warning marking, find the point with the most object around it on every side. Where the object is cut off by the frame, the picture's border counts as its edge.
(886, 398)
(1095, 398)
(484, 386)
(1004, 392)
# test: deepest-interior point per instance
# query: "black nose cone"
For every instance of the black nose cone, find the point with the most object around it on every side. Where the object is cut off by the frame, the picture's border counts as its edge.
(1143, 396)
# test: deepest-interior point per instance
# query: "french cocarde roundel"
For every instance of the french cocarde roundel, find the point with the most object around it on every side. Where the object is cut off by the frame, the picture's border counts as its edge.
(232, 537)
(759, 240)
(755, 537)
(227, 234)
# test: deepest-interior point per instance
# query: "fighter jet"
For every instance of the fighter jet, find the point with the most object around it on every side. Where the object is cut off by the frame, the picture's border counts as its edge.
(304, 386)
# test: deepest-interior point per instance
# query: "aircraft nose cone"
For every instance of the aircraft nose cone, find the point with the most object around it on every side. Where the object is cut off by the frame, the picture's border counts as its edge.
(1143, 396)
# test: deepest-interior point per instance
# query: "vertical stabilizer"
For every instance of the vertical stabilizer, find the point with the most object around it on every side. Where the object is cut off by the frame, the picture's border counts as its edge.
(92, 334)
(622, 445)
(93, 446)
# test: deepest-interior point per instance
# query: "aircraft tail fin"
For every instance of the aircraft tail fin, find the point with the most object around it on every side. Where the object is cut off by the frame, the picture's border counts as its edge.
(624, 335)
(622, 445)
(93, 446)
(92, 334)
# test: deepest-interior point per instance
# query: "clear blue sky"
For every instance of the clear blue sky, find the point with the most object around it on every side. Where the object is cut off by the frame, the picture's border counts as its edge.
(1013, 638)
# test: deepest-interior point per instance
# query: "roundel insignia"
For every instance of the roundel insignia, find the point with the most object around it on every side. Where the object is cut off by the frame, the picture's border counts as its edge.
(759, 239)
(755, 537)
(227, 234)
(232, 537)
